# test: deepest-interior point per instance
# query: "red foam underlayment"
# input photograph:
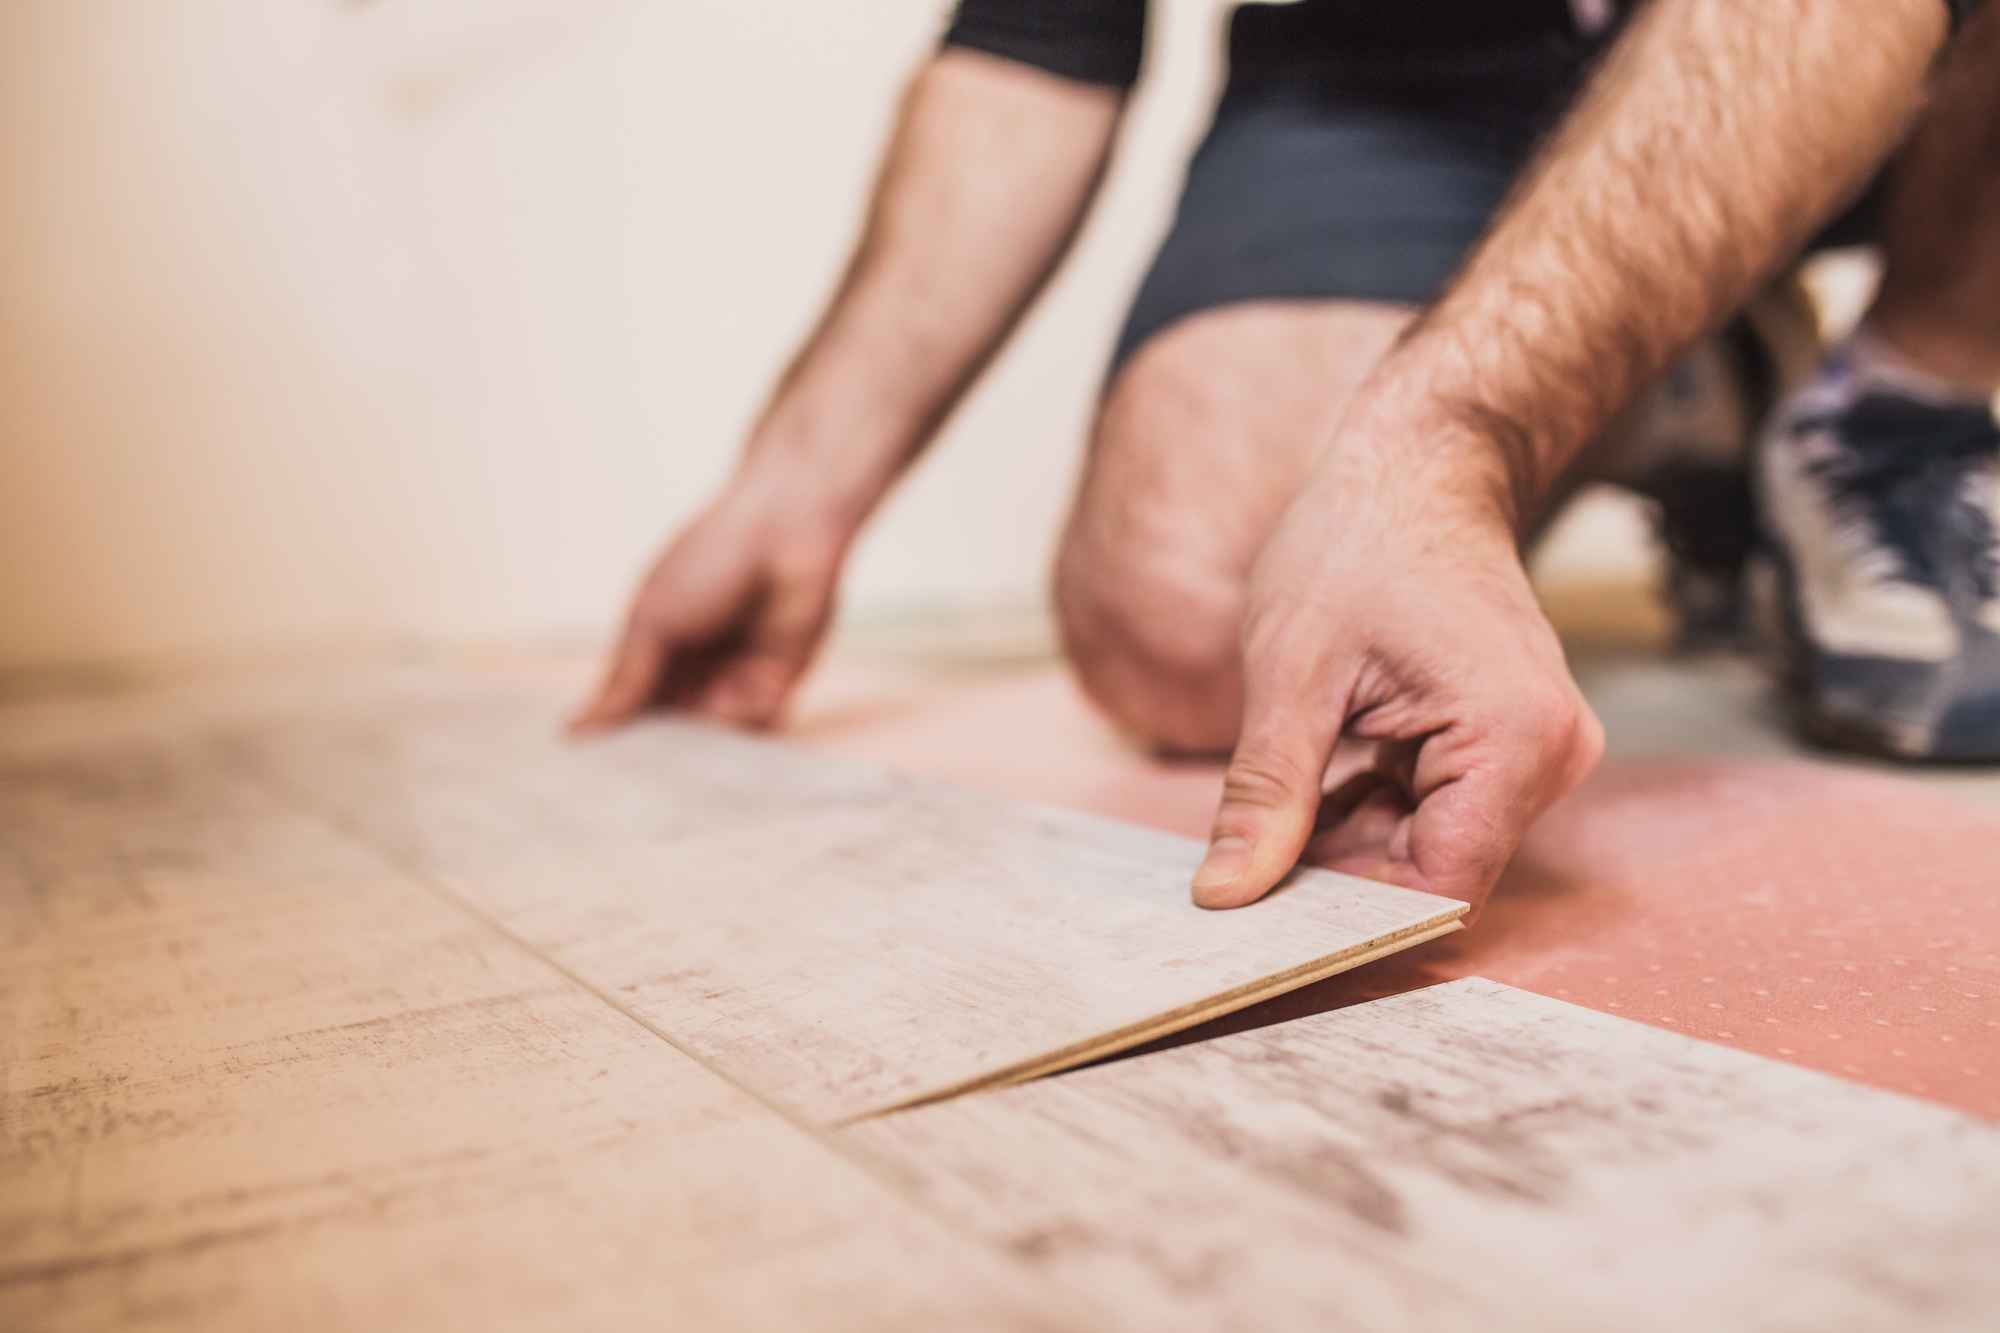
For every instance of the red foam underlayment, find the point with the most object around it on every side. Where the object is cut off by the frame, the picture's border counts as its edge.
(1845, 921)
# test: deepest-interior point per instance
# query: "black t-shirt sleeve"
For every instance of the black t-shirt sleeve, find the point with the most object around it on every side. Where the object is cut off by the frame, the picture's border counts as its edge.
(1095, 41)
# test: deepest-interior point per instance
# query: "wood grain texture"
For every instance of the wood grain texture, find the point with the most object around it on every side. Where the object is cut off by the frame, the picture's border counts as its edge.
(254, 1074)
(252, 1077)
(1479, 1158)
(839, 938)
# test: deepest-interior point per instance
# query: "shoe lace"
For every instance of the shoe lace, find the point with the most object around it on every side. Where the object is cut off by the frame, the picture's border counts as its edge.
(1921, 470)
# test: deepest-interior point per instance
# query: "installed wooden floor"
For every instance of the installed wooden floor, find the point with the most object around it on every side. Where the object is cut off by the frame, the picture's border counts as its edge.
(1474, 1157)
(254, 1077)
(841, 937)
(307, 1020)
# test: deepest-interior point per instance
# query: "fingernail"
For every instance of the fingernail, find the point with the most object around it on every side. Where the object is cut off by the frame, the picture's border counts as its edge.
(1226, 858)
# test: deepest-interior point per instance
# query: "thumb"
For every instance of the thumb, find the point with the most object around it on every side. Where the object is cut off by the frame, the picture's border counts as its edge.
(634, 677)
(1270, 800)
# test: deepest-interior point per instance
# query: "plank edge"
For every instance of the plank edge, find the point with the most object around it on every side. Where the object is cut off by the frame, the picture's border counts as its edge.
(1177, 1020)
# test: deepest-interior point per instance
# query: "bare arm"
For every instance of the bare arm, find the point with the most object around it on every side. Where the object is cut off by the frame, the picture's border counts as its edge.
(1391, 605)
(1718, 136)
(987, 177)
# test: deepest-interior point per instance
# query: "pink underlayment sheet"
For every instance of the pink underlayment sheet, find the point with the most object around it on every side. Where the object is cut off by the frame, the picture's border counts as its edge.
(1845, 921)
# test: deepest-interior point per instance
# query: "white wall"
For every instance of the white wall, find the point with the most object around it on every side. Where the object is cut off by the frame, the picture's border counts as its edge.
(329, 320)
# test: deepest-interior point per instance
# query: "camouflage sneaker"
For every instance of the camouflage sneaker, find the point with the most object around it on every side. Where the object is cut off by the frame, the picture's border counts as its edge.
(1878, 493)
(1685, 448)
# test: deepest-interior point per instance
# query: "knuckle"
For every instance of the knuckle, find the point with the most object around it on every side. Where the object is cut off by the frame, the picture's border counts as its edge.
(1563, 733)
(1263, 780)
(1587, 747)
(1549, 716)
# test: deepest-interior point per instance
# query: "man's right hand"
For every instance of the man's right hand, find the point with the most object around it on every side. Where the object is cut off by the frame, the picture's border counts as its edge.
(730, 615)
(984, 184)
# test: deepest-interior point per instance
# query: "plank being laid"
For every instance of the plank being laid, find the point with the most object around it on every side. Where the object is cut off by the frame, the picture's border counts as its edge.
(252, 1076)
(1472, 1157)
(839, 938)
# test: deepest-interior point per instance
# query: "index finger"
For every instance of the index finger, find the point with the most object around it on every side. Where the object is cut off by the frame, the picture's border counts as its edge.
(637, 666)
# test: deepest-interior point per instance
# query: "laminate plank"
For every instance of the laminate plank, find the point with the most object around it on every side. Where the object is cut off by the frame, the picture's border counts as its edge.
(1473, 1157)
(252, 1076)
(840, 938)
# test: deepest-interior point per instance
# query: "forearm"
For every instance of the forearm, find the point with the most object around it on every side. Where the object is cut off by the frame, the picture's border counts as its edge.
(1717, 136)
(987, 177)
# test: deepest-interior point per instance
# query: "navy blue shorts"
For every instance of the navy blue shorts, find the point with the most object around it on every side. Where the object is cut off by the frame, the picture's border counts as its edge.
(1361, 179)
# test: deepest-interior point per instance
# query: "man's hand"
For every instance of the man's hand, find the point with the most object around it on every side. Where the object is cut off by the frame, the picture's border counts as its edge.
(983, 186)
(731, 614)
(1391, 607)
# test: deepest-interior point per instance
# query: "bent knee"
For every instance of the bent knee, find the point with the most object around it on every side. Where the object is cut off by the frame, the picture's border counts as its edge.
(1156, 645)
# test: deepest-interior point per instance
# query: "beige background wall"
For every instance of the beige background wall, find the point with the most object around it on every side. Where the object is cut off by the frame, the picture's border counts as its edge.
(334, 320)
